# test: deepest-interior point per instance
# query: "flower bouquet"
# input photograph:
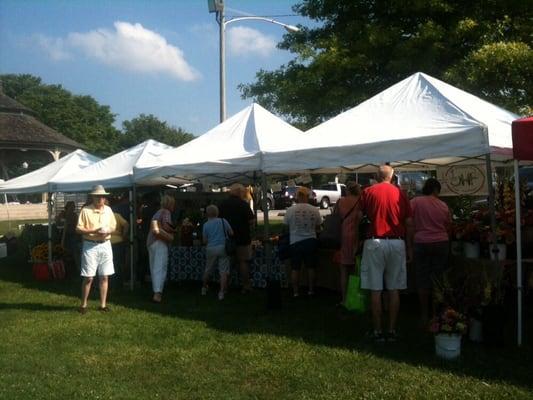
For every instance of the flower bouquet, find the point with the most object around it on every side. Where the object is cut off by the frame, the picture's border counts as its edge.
(448, 327)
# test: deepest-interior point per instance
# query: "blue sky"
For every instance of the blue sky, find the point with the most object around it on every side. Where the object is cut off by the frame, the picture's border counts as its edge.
(139, 56)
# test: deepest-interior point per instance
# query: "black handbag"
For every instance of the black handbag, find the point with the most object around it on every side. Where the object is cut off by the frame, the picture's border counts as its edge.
(230, 243)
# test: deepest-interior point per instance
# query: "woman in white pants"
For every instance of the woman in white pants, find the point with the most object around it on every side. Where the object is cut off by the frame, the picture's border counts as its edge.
(159, 238)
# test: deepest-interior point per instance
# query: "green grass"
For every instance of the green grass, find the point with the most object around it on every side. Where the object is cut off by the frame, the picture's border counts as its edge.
(194, 347)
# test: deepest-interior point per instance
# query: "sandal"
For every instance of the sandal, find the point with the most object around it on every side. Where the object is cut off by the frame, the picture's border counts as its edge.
(82, 310)
(104, 309)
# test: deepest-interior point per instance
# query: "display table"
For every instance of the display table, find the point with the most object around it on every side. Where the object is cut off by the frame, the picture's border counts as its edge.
(188, 263)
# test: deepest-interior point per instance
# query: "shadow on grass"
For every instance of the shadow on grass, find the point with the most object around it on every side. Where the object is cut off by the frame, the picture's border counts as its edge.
(312, 320)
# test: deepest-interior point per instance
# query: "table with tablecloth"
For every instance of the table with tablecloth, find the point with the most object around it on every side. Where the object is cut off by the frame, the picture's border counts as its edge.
(188, 264)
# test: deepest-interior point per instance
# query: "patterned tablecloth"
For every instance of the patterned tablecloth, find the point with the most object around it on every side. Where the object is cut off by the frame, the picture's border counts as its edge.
(188, 263)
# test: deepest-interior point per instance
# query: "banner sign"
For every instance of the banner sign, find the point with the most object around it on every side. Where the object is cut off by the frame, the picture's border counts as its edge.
(462, 180)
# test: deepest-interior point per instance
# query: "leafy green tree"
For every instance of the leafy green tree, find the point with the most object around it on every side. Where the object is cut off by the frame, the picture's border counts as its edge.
(80, 118)
(146, 127)
(360, 47)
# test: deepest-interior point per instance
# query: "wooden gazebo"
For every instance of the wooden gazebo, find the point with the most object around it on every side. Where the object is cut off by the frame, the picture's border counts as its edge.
(20, 130)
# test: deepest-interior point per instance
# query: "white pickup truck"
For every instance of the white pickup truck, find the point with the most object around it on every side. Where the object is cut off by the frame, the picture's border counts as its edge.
(329, 193)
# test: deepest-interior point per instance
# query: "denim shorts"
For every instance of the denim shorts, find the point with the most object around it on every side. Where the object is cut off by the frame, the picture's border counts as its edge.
(306, 252)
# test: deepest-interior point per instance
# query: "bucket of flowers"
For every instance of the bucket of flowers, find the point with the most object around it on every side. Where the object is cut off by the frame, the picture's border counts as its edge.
(448, 327)
(39, 259)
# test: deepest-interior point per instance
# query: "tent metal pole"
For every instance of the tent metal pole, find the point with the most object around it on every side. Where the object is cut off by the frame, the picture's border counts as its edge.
(266, 228)
(133, 237)
(494, 247)
(132, 227)
(518, 253)
(49, 209)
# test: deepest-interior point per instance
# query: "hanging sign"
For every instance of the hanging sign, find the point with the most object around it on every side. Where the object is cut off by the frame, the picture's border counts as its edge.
(462, 180)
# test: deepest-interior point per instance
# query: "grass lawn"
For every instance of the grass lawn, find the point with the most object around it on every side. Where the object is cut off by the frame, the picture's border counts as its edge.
(194, 347)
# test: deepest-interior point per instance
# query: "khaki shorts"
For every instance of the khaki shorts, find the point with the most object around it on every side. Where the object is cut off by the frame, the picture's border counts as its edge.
(243, 253)
(216, 255)
(383, 261)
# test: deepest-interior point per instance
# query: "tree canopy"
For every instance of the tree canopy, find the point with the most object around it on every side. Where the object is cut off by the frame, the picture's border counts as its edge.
(84, 120)
(146, 127)
(361, 47)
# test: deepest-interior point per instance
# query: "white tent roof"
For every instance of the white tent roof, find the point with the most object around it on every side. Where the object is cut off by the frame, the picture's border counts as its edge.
(251, 140)
(37, 181)
(113, 172)
(419, 118)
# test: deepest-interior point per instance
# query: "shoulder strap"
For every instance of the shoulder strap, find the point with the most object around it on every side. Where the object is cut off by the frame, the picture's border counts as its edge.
(351, 209)
(224, 228)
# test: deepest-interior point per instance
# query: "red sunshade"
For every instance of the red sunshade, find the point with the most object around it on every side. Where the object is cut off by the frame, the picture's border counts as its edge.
(523, 138)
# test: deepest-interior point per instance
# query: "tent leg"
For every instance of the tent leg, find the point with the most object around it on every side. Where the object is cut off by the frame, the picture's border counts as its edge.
(492, 209)
(133, 241)
(266, 227)
(49, 209)
(518, 253)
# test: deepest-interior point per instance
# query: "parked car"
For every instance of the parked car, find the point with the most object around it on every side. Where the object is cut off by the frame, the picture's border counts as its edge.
(412, 181)
(287, 197)
(329, 193)
(271, 203)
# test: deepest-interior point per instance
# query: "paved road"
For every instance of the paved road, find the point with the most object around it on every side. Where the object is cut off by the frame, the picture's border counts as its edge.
(277, 215)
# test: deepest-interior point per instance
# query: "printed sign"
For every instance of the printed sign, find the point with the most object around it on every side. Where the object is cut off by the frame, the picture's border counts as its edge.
(461, 180)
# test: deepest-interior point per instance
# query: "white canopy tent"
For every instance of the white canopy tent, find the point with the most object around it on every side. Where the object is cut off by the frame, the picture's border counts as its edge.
(252, 140)
(38, 181)
(115, 171)
(419, 122)
(248, 142)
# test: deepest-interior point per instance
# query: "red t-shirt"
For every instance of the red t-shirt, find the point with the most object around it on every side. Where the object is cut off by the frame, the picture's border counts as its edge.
(387, 207)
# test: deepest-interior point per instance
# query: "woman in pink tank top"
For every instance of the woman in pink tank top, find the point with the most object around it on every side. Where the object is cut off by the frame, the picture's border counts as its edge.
(432, 221)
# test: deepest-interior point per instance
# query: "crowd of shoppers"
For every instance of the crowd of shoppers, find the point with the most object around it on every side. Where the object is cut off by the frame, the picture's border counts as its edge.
(399, 231)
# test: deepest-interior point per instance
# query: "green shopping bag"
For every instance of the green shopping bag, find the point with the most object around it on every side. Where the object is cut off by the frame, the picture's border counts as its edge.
(356, 298)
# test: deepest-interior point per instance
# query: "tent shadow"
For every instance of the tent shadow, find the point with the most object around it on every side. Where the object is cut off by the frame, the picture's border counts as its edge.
(311, 320)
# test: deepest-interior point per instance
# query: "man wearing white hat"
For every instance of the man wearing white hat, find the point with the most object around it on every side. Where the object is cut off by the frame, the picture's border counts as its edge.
(95, 223)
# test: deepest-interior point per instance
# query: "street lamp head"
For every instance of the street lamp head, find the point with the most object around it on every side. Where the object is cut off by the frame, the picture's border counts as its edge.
(291, 28)
(215, 5)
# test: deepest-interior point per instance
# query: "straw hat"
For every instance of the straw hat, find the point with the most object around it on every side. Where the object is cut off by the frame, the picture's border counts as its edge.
(98, 190)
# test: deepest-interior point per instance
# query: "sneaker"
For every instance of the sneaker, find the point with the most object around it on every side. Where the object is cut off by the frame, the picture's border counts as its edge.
(376, 336)
(310, 293)
(295, 295)
(392, 337)
(221, 295)
(204, 291)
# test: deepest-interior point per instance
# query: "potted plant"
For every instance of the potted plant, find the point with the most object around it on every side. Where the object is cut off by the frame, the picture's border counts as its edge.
(448, 327)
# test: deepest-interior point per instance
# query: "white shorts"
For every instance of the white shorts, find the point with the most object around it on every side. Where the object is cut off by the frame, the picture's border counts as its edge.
(214, 254)
(96, 257)
(383, 261)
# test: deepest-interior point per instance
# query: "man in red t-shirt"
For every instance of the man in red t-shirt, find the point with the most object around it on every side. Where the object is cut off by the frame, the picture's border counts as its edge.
(387, 248)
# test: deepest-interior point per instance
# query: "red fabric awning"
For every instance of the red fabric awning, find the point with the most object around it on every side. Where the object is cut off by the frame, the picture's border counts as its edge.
(523, 139)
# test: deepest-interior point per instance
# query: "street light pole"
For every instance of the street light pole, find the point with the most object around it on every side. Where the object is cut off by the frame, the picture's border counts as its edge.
(218, 7)
(222, 61)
